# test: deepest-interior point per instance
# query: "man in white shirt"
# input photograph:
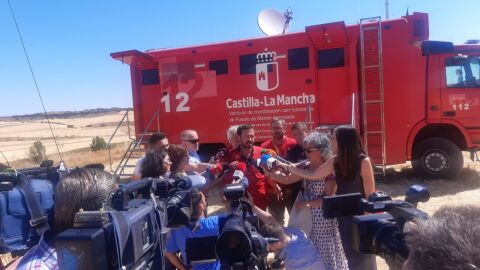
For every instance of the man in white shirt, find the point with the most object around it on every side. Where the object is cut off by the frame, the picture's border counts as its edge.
(157, 142)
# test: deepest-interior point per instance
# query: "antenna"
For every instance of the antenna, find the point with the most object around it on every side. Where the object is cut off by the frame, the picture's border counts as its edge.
(273, 22)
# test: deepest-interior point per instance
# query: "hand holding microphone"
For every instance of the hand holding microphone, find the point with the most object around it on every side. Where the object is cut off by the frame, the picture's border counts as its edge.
(239, 174)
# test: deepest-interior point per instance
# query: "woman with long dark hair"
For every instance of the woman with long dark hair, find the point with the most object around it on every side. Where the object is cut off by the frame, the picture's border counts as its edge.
(353, 173)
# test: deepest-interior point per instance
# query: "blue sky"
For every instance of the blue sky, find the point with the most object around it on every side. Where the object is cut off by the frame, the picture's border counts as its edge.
(69, 42)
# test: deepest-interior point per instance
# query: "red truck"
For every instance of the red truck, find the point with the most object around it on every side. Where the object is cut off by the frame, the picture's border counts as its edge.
(411, 99)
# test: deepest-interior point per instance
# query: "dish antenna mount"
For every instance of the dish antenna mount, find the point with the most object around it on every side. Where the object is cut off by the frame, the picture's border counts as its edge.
(273, 22)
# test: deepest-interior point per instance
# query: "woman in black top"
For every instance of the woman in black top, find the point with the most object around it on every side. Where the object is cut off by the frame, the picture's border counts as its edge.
(354, 173)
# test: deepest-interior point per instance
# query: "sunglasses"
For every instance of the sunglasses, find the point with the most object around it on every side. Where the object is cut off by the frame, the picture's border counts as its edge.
(309, 150)
(193, 141)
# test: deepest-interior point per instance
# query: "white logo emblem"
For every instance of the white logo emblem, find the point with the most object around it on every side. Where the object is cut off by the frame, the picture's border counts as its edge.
(267, 71)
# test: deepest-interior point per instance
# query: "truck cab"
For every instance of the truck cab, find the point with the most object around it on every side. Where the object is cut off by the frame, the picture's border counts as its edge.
(452, 109)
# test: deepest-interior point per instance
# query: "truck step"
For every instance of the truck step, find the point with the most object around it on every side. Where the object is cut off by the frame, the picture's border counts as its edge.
(373, 101)
(128, 166)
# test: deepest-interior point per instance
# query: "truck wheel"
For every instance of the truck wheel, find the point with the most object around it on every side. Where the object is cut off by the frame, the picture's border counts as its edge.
(437, 158)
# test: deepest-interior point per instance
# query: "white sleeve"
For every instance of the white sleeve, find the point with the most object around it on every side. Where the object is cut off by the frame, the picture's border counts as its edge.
(138, 168)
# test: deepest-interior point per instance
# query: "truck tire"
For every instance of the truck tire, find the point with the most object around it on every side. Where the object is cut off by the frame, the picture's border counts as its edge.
(437, 158)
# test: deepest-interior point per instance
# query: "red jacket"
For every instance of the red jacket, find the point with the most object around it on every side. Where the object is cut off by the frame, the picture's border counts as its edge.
(256, 180)
(281, 149)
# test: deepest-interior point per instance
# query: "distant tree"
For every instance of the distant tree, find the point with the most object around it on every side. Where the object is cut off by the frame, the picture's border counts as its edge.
(98, 143)
(37, 152)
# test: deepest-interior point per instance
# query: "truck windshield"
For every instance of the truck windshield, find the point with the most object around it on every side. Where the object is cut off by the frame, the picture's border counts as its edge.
(462, 71)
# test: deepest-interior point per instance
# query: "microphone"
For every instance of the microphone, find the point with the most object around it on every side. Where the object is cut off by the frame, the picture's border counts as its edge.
(270, 152)
(190, 181)
(215, 169)
(268, 161)
(271, 162)
(238, 174)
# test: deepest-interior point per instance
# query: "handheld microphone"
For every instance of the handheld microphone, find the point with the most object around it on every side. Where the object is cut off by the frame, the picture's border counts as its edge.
(239, 174)
(191, 181)
(215, 169)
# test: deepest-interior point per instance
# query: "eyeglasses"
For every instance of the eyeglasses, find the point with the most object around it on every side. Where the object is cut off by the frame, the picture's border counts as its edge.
(309, 150)
(192, 141)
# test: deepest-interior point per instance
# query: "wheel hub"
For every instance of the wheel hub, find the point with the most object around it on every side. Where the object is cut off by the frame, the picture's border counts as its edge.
(436, 161)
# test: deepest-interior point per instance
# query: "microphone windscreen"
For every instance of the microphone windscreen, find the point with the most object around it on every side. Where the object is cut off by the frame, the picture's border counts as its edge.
(241, 166)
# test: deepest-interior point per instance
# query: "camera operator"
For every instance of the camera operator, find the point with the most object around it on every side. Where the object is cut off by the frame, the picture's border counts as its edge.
(84, 188)
(448, 240)
(201, 226)
(293, 248)
(353, 173)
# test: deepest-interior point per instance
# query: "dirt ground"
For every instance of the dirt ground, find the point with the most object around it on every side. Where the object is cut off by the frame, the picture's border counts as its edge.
(75, 133)
(465, 189)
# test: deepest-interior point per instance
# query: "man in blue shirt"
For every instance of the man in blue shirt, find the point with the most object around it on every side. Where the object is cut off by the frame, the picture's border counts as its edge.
(202, 227)
(191, 142)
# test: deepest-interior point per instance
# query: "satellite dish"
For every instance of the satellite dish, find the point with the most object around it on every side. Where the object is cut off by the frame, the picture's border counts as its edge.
(273, 22)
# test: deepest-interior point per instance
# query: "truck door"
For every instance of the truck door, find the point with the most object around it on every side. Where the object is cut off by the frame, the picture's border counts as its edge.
(461, 89)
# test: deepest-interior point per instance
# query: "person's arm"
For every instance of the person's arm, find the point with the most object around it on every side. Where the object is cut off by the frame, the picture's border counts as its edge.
(367, 175)
(197, 167)
(264, 216)
(330, 189)
(281, 178)
(320, 172)
(137, 172)
(172, 249)
(274, 185)
(175, 260)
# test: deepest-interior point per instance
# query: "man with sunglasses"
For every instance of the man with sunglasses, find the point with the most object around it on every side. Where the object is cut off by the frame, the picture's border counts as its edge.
(191, 142)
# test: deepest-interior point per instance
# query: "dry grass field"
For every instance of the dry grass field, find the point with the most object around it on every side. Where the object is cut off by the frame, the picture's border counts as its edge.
(75, 135)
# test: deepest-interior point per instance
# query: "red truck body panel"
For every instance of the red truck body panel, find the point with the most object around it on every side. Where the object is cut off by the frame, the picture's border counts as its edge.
(210, 87)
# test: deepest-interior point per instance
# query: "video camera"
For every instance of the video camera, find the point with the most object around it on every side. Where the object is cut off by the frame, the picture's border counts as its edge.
(382, 232)
(26, 205)
(131, 234)
(238, 245)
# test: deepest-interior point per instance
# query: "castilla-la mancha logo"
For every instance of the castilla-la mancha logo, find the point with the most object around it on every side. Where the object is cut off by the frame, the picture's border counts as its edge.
(267, 70)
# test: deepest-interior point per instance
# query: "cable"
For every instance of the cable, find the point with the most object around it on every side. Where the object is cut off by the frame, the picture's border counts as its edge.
(8, 164)
(34, 80)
